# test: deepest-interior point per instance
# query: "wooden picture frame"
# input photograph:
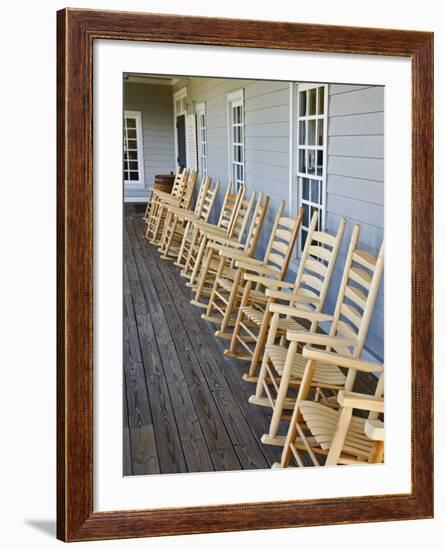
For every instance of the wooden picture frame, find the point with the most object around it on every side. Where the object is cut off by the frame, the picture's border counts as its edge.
(77, 31)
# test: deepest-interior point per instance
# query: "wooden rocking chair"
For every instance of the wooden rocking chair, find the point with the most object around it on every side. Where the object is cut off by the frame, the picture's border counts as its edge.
(179, 222)
(156, 194)
(282, 368)
(213, 262)
(337, 436)
(228, 287)
(308, 292)
(191, 261)
(156, 222)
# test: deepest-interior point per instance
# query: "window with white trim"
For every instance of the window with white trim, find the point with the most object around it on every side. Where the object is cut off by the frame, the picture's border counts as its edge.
(235, 103)
(312, 105)
(202, 137)
(133, 150)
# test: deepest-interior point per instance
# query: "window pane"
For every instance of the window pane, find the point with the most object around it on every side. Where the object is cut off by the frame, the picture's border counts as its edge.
(132, 144)
(131, 134)
(131, 122)
(305, 186)
(311, 132)
(302, 132)
(302, 160)
(134, 176)
(314, 191)
(321, 100)
(302, 104)
(311, 161)
(134, 165)
(320, 129)
(125, 165)
(312, 101)
(132, 155)
(319, 163)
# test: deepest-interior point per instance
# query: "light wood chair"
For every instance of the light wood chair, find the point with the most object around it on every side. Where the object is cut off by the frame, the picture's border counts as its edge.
(283, 367)
(190, 260)
(228, 287)
(179, 222)
(213, 262)
(156, 222)
(337, 436)
(156, 194)
(309, 292)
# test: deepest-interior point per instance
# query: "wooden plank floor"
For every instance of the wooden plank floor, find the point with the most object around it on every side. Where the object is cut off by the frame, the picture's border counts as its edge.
(185, 403)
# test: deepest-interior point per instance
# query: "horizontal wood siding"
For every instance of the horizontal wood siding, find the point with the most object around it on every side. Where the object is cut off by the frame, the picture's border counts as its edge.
(156, 105)
(355, 181)
(266, 107)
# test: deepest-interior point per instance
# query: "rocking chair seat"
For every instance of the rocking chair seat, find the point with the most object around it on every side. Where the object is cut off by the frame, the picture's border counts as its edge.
(322, 422)
(257, 316)
(329, 375)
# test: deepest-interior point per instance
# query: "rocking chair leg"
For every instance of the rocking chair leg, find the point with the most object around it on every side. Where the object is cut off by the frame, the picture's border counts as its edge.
(184, 240)
(260, 342)
(215, 285)
(203, 276)
(282, 391)
(231, 302)
(198, 260)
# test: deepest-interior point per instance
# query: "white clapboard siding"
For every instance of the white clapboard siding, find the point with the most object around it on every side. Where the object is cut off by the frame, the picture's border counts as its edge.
(355, 181)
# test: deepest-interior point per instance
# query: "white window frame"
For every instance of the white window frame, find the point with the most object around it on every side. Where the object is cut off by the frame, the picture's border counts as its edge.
(140, 183)
(203, 151)
(178, 110)
(297, 178)
(236, 99)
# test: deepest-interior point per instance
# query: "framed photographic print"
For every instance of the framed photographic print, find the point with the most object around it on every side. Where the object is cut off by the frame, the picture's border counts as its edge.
(245, 229)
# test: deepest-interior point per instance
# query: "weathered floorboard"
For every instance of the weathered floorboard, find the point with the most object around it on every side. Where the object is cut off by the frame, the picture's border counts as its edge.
(195, 449)
(246, 444)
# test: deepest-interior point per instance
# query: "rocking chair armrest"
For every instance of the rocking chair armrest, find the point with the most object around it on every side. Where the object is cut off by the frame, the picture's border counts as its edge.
(185, 215)
(161, 194)
(270, 283)
(227, 252)
(259, 268)
(375, 429)
(170, 201)
(360, 401)
(320, 340)
(206, 226)
(299, 313)
(221, 242)
(335, 358)
(290, 296)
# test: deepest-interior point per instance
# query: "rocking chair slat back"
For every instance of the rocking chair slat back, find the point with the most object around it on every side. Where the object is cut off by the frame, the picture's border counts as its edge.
(188, 190)
(256, 224)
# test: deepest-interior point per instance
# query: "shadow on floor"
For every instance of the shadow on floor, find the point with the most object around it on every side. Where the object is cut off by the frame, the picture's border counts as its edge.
(47, 526)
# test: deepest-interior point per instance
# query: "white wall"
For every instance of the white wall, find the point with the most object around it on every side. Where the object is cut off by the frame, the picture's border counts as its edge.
(27, 406)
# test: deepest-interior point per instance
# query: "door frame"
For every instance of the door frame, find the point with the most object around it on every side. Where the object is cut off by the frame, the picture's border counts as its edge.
(136, 184)
(178, 110)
